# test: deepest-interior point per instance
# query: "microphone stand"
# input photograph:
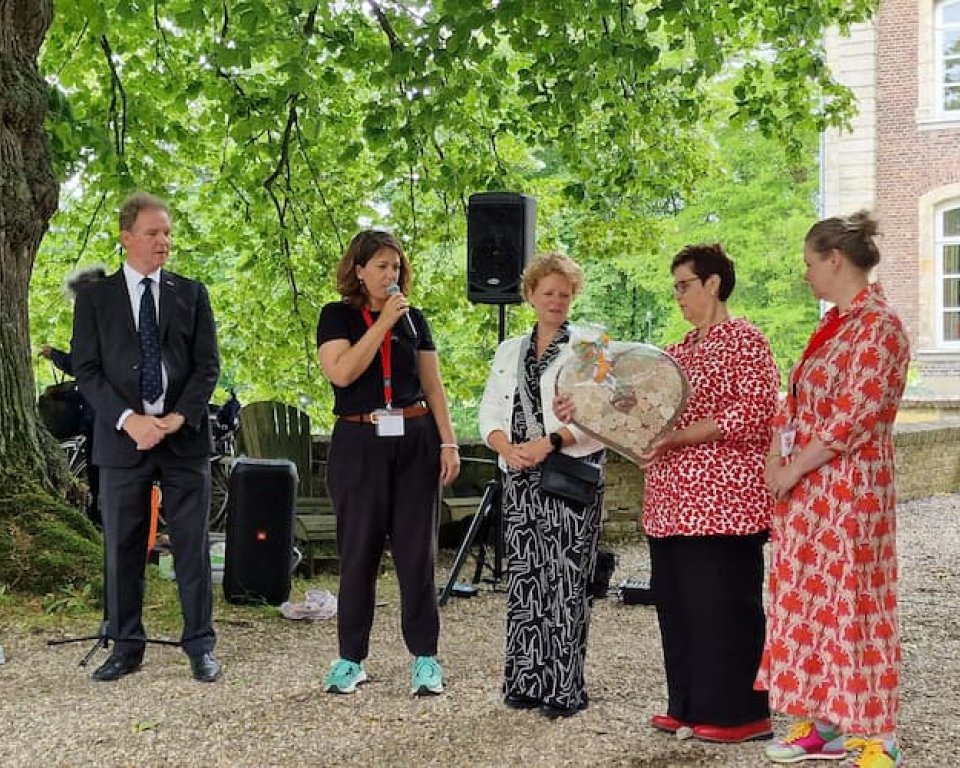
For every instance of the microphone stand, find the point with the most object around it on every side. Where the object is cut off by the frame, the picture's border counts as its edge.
(102, 638)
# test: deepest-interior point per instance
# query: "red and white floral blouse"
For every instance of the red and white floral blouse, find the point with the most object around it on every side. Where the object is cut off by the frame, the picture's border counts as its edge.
(717, 488)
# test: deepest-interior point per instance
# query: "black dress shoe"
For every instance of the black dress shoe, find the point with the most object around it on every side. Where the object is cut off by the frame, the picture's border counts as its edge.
(116, 666)
(205, 668)
(519, 701)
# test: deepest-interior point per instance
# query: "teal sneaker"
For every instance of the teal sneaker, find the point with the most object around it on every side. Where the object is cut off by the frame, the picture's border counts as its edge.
(427, 677)
(344, 677)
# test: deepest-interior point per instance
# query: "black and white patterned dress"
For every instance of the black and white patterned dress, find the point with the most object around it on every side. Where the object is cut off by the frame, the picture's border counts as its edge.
(550, 549)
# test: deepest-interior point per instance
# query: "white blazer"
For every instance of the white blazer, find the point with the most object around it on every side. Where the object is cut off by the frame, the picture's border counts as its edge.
(496, 406)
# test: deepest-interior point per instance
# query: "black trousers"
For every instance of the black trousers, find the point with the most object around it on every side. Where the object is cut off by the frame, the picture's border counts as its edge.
(125, 505)
(384, 489)
(709, 598)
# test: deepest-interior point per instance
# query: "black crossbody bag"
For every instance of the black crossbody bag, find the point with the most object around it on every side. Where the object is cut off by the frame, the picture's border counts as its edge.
(573, 480)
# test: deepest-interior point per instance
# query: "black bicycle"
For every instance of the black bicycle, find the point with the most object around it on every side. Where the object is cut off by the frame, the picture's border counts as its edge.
(75, 449)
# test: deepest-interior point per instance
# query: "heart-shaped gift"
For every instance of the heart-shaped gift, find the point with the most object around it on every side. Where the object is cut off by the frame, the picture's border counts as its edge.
(626, 394)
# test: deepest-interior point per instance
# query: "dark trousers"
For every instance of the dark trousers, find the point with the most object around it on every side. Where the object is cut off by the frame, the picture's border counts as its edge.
(709, 598)
(125, 505)
(384, 489)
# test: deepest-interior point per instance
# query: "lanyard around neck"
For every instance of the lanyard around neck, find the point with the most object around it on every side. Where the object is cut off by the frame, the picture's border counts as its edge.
(385, 360)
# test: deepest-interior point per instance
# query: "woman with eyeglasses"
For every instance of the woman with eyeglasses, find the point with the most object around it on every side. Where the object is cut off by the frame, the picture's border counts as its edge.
(706, 511)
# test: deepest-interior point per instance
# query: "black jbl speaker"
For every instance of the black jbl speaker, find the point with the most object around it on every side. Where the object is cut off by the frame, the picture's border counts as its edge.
(261, 506)
(501, 237)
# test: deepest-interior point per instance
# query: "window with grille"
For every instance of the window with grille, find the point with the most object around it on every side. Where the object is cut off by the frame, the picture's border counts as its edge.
(948, 269)
(948, 47)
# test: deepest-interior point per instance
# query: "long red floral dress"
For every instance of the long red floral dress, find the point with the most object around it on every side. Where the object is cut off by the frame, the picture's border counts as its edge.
(833, 644)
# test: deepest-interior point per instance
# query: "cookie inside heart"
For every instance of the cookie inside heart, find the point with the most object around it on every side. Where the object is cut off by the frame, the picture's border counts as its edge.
(626, 394)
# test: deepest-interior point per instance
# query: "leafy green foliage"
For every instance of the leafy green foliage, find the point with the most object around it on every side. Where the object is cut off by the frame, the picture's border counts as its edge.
(758, 204)
(70, 599)
(277, 129)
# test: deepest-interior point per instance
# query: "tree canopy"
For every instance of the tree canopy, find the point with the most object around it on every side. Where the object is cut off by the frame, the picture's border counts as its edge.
(276, 129)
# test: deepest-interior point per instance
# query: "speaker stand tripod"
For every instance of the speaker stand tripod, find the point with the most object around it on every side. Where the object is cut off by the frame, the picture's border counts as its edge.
(487, 520)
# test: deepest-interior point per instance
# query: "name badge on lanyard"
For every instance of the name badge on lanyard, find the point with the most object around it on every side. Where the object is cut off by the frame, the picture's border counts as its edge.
(788, 437)
(387, 422)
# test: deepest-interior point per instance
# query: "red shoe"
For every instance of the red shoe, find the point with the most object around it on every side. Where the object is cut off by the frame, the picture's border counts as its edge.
(734, 734)
(667, 724)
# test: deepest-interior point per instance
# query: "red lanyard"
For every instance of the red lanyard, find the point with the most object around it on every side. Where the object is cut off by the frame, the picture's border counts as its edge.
(385, 360)
(823, 334)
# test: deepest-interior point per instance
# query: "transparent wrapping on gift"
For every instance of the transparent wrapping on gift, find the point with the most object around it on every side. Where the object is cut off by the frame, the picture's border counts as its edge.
(626, 394)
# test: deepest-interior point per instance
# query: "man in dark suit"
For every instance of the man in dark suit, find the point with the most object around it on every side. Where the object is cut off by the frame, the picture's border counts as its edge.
(145, 355)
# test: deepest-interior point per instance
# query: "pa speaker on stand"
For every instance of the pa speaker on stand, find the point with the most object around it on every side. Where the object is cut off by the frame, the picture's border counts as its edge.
(501, 240)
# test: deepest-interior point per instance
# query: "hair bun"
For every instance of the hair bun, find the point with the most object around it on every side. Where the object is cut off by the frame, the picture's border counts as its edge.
(861, 222)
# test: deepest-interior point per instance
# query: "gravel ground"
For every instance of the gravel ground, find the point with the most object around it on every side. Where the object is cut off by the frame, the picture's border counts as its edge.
(269, 710)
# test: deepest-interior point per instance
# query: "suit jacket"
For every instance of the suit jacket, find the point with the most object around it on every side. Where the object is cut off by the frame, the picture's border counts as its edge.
(106, 361)
(496, 406)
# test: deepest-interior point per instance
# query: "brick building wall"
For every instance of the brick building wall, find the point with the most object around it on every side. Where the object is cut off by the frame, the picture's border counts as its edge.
(891, 66)
(902, 161)
(912, 158)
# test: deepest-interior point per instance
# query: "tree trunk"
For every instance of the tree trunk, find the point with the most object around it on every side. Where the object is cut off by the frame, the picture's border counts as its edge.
(35, 525)
(28, 198)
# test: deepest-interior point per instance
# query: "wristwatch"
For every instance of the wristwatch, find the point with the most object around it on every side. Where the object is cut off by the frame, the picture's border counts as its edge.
(556, 441)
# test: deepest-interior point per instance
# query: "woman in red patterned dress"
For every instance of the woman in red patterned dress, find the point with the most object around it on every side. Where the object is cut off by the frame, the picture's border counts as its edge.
(832, 655)
(706, 511)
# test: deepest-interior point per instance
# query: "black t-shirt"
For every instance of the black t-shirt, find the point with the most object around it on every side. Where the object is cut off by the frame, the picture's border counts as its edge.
(340, 321)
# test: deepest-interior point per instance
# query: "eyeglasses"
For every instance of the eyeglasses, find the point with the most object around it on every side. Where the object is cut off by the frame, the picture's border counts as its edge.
(682, 286)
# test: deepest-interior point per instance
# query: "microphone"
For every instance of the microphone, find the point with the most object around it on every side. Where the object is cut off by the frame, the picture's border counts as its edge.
(406, 323)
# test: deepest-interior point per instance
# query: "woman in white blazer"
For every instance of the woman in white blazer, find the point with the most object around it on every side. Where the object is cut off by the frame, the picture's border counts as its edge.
(550, 544)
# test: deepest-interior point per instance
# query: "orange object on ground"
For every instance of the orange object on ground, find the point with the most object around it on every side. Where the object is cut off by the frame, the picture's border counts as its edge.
(154, 517)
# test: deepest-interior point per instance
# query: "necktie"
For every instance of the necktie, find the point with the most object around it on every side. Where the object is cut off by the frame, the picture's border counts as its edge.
(151, 379)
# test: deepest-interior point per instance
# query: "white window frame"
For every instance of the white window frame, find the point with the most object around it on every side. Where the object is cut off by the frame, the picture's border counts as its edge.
(940, 83)
(941, 241)
(930, 208)
(931, 115)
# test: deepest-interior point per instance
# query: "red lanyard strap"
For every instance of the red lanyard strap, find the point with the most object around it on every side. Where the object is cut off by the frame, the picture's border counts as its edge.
(385, 360)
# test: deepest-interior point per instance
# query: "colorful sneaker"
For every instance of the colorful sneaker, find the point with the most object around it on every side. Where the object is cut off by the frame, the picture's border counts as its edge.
(427, 677)
(344, 677)
(804, 741)
(873, 753)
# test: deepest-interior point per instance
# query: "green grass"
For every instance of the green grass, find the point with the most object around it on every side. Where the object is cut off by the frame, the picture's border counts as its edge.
(77, 610)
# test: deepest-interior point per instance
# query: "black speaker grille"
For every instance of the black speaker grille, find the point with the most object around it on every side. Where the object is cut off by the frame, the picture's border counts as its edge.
(259, 543)
(500, 242)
